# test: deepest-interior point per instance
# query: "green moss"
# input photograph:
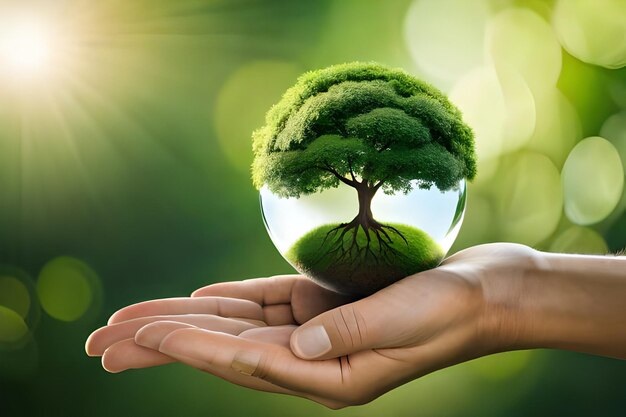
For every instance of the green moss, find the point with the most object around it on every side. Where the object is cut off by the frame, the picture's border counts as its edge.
(358, 269)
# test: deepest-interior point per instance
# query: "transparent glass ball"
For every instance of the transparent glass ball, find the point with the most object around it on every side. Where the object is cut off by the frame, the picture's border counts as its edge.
(324, 236)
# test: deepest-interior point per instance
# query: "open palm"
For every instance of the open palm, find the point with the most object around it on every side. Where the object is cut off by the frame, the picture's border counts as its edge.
(288, 335)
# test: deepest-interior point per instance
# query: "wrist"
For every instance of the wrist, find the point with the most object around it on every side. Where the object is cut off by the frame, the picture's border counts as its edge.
(507, 321)
(533, 299)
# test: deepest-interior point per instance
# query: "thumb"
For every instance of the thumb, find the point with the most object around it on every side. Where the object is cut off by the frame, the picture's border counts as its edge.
(341, 331)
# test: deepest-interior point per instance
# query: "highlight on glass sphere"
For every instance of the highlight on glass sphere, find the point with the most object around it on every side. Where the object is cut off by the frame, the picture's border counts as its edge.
(361, 171)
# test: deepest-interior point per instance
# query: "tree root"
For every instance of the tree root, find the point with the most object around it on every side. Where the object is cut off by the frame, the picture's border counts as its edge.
(378, 246)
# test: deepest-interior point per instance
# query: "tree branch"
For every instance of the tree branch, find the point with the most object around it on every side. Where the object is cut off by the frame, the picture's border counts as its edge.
(340, 177)
(351, 172)
(379, 183)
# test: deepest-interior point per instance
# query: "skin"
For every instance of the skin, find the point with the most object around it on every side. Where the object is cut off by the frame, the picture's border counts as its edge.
(485, 299)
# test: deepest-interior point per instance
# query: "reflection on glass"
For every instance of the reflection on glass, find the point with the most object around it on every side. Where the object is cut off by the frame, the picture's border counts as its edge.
(321, 234)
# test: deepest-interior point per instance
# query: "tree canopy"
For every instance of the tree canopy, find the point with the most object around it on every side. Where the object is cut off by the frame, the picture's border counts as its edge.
(362, 123)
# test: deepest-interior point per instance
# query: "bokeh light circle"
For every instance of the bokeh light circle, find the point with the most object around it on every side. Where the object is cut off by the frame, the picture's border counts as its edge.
(479, 97)
(458, 46)
(529, 198)
(617, 90)
(614, 130)
(12, 326)
(488, 170)
(500, 108)
(19, 316)
(18, 293)
(557, 127)
(519, 123)
(593, 31)
(66, 288)
(579, 239)
(14, 295)
(593, 180)
(242, 102)
(521, 39)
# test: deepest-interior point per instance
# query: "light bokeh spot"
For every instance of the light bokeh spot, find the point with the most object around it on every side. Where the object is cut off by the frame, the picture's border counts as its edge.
(479, 97)
(488, 169)
(14, 295)
(500, 108)
(12, 326)
(614, 130)
(242, 103)
(579, 239)
(521, 39)
(593, 31)
(593, 180)
(457, 48)
(65, 288)
(529, 199)
(519, 122)
(557, 127)
(617, 90)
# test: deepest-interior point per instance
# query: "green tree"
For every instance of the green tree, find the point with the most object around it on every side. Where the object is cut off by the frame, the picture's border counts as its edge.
(365, 126)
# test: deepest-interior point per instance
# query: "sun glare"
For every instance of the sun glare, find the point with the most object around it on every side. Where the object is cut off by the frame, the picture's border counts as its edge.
(26, 48)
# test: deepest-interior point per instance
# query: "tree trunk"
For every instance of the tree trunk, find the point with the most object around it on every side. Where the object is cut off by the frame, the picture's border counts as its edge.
(365, 217)
(365, 220)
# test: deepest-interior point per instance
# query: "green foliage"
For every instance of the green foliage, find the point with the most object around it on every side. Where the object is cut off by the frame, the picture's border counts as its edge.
(386, 127)
(380, 125)
(361, 271)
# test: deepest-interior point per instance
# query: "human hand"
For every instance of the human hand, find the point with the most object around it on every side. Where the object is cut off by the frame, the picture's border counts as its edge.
(268, 309)
(263, 333)
(288, 335)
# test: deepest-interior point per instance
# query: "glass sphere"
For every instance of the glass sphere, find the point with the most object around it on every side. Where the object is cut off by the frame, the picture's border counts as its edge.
(358, 245)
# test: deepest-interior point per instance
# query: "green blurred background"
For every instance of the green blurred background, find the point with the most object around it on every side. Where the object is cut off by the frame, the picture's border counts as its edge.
(124, 155)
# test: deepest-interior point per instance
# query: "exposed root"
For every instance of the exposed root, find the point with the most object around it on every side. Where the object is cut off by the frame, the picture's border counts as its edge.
(393, 229)
(379, 244)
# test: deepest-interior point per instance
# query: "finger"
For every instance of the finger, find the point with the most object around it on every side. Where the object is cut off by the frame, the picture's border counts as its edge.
(286, 299)
(138, 353)
(251, 321)
(104, 337)
(141, 353)
(225, 307)
(150, 335)
(351, 380)
(344, 330)
(278, 315)
(278, 335)
(126, 354)
(269, 362)
(263, 291)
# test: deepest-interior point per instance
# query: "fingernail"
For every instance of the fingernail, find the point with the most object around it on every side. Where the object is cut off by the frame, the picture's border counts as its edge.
(311, 342)
(246, 362)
